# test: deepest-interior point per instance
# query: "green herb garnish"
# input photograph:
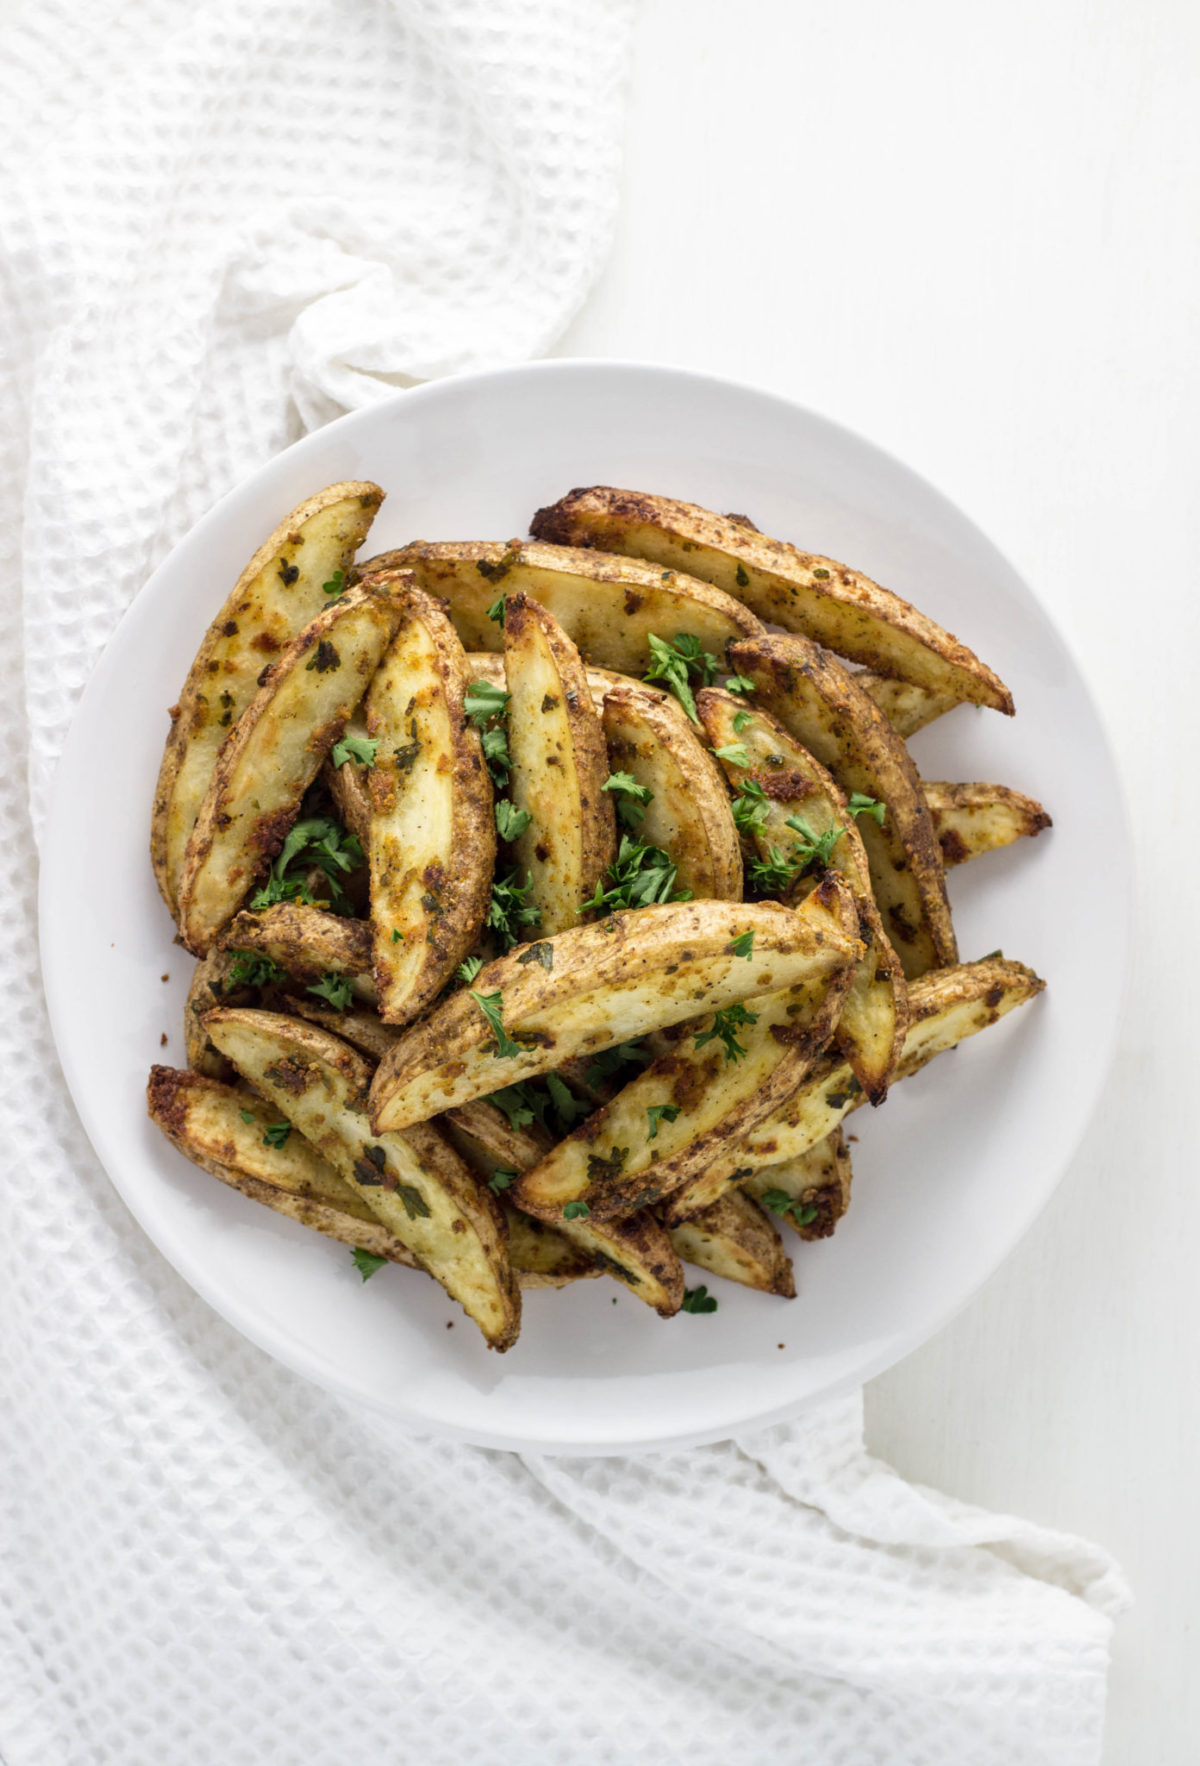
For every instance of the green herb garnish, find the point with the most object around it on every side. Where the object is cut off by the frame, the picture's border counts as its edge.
(656, 1113)
(791, 1207)
(247, 1117)
(750, 808)
(337, 989)
(501, 1179)
(677, 664)
(816, 848)
(469, 968)
(638, 876)
(742, 945)
(336, 584)
(739, 684)
(734, 752)
(510, 823)
(250, 968)
(576, 1211)
(277, 1134)
(491, 1005)
(319, 843)
(360, 748)
(366, 1262)
(860, 805)
(496, 610)
(724, 1028)
(632, 798)
(741, 721)
(509, 911)
(698, 1300)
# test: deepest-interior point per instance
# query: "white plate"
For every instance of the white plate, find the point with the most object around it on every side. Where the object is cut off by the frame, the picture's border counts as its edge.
(948, 1175)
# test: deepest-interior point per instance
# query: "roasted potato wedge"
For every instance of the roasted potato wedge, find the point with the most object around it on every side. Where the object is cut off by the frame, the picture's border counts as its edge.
(667, 1124)
(591, 988)
(414, 1183)
(795, 787)
(363, 1030)
(817, 702)
(975, 818)
(347, 782)
(945, 1007)
(735, 1239)
(608, 607)
(907, 707)
(687, 814)
(432, 841)
(279, 592)
(211, 985)
(307, 942)
(273, 756)
(811, 1192)
(559, 766)
(636, 1252)
(800, 591)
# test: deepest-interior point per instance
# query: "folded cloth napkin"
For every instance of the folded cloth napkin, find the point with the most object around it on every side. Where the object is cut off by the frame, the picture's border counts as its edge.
(224, 223)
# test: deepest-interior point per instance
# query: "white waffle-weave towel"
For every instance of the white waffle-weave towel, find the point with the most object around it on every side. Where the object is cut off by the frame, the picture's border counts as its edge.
(225, 221)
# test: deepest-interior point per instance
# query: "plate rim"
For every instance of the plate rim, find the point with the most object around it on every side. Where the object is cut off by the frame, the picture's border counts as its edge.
(272, 1338)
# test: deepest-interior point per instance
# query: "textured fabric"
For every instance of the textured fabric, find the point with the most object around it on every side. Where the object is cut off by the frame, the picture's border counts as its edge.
(222, 224)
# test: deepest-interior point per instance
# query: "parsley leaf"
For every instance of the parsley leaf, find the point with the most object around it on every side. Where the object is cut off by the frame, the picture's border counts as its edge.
(501, 1178)
(508, 910)
(336, 584)
(750, 807)
(567, 1106)
(576, 1211)
(539, 953)
(791, 1207)
(632, 798)
(656, 1113)
(739, 684)
(482, 702)
(677, 664)
(247, 1116)
(860, 805)
(724, 1028)
(818, 847)
(496, 610)
(319, 843)
(250, 968)
(742, 945)
(360, 748)
(334, 988)
(734, 752)
(698, 1300)
(638, 876)
(491, 1005)
(366, 1262)
(277, 1134)
(774, 874)
(517, 1103)
(469, 968)
(610, 1061)
(741, 721)
(510, 823)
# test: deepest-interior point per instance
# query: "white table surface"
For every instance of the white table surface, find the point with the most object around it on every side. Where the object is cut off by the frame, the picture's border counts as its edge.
(971, 234)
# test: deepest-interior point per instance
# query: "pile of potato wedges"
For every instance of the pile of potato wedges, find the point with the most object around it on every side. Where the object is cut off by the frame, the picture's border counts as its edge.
(553, 901)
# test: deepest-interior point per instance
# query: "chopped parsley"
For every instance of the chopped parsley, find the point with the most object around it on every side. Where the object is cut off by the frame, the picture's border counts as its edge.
(336, 584)
(609, 1061)
(277, 1134)
(724, 1028)
(739, 684)
(360, 748)
(247, 1117)
(539, 953)
(468, 968)
(509, 910)
(677, 664)
(750, 807)
(415, 1205)
(250, 968)
(337, 989)
(501, 1179)
(511, 823)
(487, 707)
(774, 874)
(319, 843)
(638, 876)
(550, 1104)
(576, 1211)
(567, 1106)
(734, 752)
(482, 702)
(325, 660)
(741, 721)
(861, 805)
(366, 1262)
(397, 935)
(742, 945)
(632, 798)
(496, 610)
(656, 1113)
(491, 1005)
(791, 1207)
(698, 1300)
(816, 848)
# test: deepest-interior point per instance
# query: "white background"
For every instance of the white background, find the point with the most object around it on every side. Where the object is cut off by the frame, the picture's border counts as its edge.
(972, 234)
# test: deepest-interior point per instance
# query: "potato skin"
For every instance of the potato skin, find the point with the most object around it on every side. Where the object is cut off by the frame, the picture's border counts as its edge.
(801, 591)
(559, 766)
(971, 819)
(278, 593)
(432, 838)
(818, 703)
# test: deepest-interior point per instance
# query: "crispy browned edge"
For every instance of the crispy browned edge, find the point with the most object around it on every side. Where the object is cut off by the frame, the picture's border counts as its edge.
(907, 841)
(707, 854)
(605, 517)
(597, 822)
(948, 802)
(166, 1110)
(183, 713)
(739, 1221)
(272, 828)
(463, 888)
(802, 780)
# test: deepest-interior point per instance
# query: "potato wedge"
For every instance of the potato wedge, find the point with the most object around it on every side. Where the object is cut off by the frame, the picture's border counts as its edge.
(273, 756)
(279, 592)
(591, 988)
(945, 1008)
(687, 815)
(669, 1122)
(347, 782)
(636, 1252)
(211, 985)
(907, 707)
(608, 607)
(414, 1183)
(810, 1192)
(870, 1031)
(817, 702)
(363, 1030)
(800, 591)
(559, 765)
(735, 1239)
(432, 842)
(307, 942)
(974, 818)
